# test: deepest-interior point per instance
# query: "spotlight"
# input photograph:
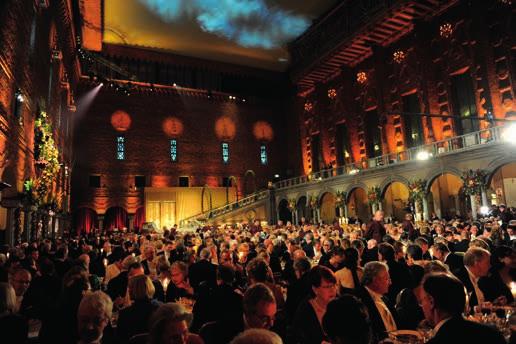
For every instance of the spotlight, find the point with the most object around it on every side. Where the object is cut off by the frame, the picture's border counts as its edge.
(19, 96)
(174, 84)
(276, 176)
(484, 210)
(423, 155)
(509, 134)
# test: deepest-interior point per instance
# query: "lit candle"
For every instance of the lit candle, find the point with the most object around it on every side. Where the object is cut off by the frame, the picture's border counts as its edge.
(101, 250)
(7, 255)
(165, 284)
(105, 261)
(513, 289)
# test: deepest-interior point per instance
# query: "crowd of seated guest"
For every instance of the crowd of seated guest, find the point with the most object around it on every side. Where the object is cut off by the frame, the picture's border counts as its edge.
(306, 283)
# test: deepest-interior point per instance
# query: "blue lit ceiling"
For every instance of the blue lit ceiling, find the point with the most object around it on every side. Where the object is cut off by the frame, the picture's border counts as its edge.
(248, 32)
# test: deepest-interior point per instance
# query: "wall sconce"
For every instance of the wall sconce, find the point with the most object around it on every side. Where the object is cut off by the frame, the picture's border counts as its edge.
(361, 77)
(445, 30)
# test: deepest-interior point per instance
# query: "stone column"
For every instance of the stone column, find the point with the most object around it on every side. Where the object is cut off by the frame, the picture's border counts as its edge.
(131, 222)
(374, 208)
(426, 215)
(485, 200)
(101, 223)
(27, 222)
(346, 213)
(457, 204)
(318, 215)
(380, 205)
(473, 206)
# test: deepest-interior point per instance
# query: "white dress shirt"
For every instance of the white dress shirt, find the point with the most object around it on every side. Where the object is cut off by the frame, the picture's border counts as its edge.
(385, 313)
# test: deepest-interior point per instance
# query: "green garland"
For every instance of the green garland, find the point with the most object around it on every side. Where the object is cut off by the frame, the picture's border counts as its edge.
(417, 190)
(473, 181)
(340, 199)
(374, 195)
(46, 156)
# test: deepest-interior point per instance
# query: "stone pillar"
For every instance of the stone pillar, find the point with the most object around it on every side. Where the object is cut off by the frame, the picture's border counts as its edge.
(318, 215)
(346, 213)
(10, 227)
(457, 204)
(473, 206)
(271, 208)
(380, 205)
(485, 200)
(101, 223)
(374, 208)
(27, 222)
(426, 215)
(131, 223)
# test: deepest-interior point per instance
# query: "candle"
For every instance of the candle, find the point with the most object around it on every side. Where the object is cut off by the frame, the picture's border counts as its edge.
(105, 261)
(513, 289)
(165, 284)
(7, 255)
(101, 250)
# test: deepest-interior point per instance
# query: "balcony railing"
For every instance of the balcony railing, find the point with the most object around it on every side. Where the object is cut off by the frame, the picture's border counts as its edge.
(428, 151)
(210, 214)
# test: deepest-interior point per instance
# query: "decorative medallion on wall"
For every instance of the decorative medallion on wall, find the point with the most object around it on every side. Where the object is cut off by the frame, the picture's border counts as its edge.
(172, 126)
(263, 131)
(225, 128)
(120, 120)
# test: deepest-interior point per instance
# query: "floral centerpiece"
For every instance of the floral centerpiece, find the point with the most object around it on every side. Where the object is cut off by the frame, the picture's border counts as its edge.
(374, 195)
(474, 181)
(417, 190)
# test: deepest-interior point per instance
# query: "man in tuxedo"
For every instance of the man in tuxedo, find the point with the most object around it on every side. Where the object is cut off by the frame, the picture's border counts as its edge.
(375, 229)
(375, 284)
(443, 300)
(203, 270)
(442, 252)
(477, 262)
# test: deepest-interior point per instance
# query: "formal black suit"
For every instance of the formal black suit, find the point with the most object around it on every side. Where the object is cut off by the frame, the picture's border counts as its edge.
(117, 286)
(305, 327)
(458, 330)
(296, 292)
(454, 261)
(463, 275)
(309, 249)
(201, 271)
(400, 277)
(377, 324)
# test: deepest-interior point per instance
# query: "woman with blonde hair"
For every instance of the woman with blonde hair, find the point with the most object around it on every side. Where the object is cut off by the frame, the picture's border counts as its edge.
(134, 319)
(14, 327)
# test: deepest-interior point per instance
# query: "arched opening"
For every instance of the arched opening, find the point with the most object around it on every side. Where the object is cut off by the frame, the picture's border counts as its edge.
(116, 218)
(284, 213)
(232, 183)
(328, 207)
(447, 200)
(301, 209)
(249, 182)
(395, 201)
(85, 220)
(358, 206)
(139, 219)
(502, 186)
(206, 201)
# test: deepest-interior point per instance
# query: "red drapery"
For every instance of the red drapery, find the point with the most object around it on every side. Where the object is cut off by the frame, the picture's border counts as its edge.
(139, 219)
(86, 220)
(115, 217)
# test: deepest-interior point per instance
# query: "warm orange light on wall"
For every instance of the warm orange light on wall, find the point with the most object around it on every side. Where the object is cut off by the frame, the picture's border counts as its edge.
(225, 128)
(120, 120)
(172, 127)
(263, 131)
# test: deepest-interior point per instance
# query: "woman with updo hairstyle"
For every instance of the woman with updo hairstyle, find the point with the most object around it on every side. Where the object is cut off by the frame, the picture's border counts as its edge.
(346, 321)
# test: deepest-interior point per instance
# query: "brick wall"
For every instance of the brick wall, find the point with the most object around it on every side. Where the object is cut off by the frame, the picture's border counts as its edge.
(148, 146)
(481, 45)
